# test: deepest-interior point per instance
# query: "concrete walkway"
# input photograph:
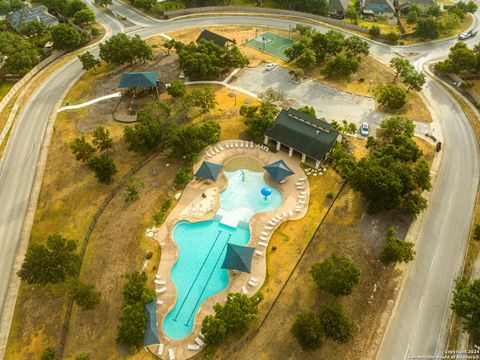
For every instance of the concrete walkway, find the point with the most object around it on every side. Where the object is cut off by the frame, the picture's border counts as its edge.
(90, 102)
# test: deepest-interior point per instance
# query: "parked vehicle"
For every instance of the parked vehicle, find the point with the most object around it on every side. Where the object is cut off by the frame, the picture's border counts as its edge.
(364, 130)
(270, 66)
(466, 35)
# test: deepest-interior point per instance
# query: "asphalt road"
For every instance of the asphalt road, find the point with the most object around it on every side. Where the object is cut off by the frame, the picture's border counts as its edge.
(418, 326)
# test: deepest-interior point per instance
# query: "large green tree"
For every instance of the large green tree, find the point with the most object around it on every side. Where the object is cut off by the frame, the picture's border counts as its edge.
(335, 323)
(428, 28)
(342, 65)
(396, 249)
(203, 98)
(50, 263)
(391, 96)
(65, 37)
(81, 149)
(214, 330)
(336, 275)
(84, 17)
(258, 119)
(104, 168)
(85, 295)
(102, 139)
(88, 61)
(308, 331)
(121, 49)
(466, 303)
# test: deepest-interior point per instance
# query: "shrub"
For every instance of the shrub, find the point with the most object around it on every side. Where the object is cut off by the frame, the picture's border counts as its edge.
(183, 176)
(336, 275)
(335, 323)
(392, 38)
(307, 330)
(374, 31)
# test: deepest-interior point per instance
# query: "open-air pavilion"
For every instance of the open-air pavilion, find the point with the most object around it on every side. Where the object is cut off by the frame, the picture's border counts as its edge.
(143, 79)
(208, 171)
(278, 170)
(311, 137)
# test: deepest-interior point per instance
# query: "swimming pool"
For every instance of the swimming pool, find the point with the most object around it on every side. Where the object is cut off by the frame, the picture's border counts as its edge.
(197, 274)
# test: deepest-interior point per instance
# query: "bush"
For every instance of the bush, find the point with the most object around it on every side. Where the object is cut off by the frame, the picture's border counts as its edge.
(476, 232)
(391, 95)
(48, 354)
(94, 32)
(307, 330)
(85, 295)
(396, 249)
(183, 176)
(334, 322)
(336, 275)
(161, 214)
(177, 88)
(392, 38)
(330, 195)
(374, 31)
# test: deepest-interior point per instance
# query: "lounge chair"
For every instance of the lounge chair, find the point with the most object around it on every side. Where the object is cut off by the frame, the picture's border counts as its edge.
(259, 252)
(267, 149)
(160, 282)
(199, 341)
(171, 354)
(284, 214)
(244, 290)
(157, 276)
(264, 238)
(252, 283)
(290, 213)
(261, 243)
(161, 290)
(297, 210)
(283, 181)
(268, 227)
(303, 193)
(227, 145)
(221, 147)
(159, 302)
(201, 336)
(301, 202)
(271, 222)
(302, 179)
(299, 183)
(254, 279)
(301, 196)
(193, 347)
(236, 144)
(264, 233)
(160, 350)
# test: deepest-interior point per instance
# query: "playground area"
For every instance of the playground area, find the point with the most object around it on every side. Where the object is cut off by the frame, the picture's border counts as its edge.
(272, 44)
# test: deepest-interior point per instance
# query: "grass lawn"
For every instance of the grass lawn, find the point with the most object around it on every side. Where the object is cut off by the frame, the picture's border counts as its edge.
(381, 23)
(5, 87)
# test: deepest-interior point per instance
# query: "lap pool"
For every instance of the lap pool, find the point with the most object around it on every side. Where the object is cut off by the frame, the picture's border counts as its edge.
(197, 274)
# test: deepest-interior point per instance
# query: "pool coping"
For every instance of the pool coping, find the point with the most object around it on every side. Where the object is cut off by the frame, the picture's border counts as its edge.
(169, 252)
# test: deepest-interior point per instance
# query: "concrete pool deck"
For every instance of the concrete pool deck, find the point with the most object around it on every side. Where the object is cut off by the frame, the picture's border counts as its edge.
(205, 196)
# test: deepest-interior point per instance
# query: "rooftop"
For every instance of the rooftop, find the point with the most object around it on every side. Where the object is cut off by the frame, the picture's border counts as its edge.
(217, 39)
(138, 79)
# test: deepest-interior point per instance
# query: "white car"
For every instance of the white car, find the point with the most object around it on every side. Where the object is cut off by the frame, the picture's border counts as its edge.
(270, 66)
(364, 129)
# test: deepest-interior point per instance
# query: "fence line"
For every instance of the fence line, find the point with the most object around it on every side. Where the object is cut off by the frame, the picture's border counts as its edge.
(86, 238)
(255, 331)
(261, 10)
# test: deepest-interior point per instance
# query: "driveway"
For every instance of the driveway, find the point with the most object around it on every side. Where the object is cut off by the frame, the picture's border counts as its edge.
(328, 102)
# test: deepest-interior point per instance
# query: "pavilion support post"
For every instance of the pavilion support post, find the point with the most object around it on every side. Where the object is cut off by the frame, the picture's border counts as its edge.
(317, 164)
(278, 145)
(265, 140)
(304, 158)
(290, 152)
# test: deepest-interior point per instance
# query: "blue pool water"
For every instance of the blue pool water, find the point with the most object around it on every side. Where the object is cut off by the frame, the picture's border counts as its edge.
(197, 274)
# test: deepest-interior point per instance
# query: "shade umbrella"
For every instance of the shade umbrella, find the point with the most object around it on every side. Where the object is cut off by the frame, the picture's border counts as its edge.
(238, 258)
(151, 329)
(208, 171)
(278, 170)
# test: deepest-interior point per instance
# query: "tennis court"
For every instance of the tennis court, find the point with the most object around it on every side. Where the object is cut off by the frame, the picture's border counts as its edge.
(271, 44)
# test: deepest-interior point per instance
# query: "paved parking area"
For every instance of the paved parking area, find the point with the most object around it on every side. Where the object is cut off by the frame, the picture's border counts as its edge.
(328, 102)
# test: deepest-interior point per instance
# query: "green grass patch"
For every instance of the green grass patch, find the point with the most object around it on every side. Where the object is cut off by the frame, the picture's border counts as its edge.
(5, 87)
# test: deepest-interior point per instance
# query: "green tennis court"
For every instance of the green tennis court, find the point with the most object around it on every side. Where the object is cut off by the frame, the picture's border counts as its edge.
(271, 44)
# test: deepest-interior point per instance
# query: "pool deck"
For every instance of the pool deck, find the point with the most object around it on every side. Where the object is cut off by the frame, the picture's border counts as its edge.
(193, 206)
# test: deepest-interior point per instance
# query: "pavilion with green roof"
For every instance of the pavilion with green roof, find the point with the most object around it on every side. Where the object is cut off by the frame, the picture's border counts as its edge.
(208, 171)
(238, 258)
(143, 79)
(311, 137)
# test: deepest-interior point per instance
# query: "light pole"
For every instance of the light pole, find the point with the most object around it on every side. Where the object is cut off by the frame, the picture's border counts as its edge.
(235, 95)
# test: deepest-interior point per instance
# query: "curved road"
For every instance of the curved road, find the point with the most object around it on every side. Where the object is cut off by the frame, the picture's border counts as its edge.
(419, 323)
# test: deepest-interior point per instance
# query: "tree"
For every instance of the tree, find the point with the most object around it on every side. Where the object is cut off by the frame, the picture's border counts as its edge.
(204, 99)
(132, 325)
(33, 28)
(85, 295)
(101, 139)
(307, 330)
(396, 126)
(401, 66)
(183, 176)
(461, 58)
(392, 37)
(50, 263)
(73, 7)
(84, 17)
(396, 249)
(188, 141)
(434, 11)
(48, 354)
(169, 45)
(307, 60)
(342, 66)
(334, 42)
(238, 312)
(104, 168)
(65, 37)
(134, 290)
(391, 95)
(374, 31)
(308, 110)
(352, 14)
(412, 16)
(414, 80)
(428, 28)
(103, 2)
(449, 21)
(177, 88)
(21, 59)
(82, 150)
(356, 46)
(334, 322)
(214, 330)
(476, 232)
(297, 74)
(258, 119)
(82, 356)
(88, 61)
(336, 275)
(121, 49)
(466, 303)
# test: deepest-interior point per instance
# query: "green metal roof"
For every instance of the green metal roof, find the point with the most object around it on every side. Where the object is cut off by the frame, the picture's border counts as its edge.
(151, 329)
(278, 170)
(238, 258)
(208, 171)
(217, 39)
(138, 79)
(304, 133)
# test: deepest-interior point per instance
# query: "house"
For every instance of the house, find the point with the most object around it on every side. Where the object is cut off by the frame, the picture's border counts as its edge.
(338, 7)
(423, 5)
(18, 18)
(378, 8)
(311, 137)
(217, 39)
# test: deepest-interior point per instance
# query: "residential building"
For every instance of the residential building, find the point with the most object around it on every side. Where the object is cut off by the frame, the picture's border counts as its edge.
(378, 8)
(217, 39)
(18, 18)
(338, 7)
